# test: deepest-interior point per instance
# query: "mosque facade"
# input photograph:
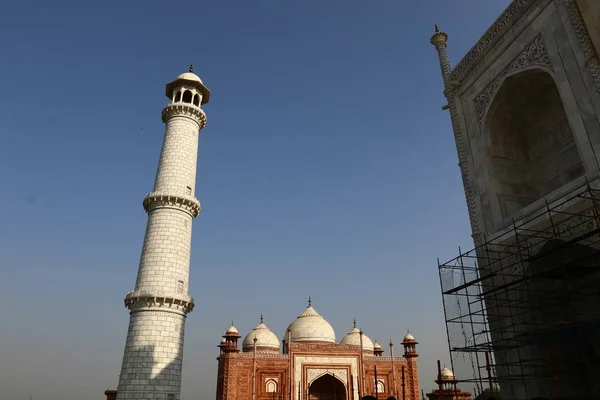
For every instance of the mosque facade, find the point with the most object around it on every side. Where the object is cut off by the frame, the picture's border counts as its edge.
(310, 364)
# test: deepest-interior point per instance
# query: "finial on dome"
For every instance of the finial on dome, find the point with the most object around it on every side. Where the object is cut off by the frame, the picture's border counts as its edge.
(437, 29)
(192, 68)
(354, 324)
(261, 318)
(309, 302)
(391, 344)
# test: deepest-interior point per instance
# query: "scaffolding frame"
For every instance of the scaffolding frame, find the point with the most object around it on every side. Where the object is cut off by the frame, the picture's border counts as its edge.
(498, 301)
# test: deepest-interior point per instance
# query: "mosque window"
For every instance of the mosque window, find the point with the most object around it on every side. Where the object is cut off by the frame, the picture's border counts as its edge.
(197, 100)
(180, 286)
(178, 96)
(171, 396)
(380, 386)
(188, 190)
(187, 96)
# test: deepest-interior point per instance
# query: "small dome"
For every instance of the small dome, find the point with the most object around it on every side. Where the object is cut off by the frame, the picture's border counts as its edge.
(353, 338)
(223, 340)
(446, 374)
(190, 76)
(376, 346)
(408, 338)
(232, 330)
(310, 326)
(266, 340)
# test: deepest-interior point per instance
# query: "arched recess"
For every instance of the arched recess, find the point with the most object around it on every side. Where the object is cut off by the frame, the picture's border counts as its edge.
(197, 100)
(187, 96)
(177, 97)
(327, 387)
(271, 386)
(529, 142)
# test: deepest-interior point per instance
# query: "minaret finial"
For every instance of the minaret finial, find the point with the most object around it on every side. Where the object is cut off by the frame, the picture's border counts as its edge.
(437, 29)
(231, 322)
(191, 67)
(309, 302)
(354, 323)
(261, 318)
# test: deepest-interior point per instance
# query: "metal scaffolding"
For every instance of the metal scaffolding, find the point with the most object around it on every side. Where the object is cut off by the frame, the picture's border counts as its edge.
(522, 309)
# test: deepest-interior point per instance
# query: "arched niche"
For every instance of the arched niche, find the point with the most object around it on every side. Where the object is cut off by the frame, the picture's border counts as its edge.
(529, 142)
(327, 387)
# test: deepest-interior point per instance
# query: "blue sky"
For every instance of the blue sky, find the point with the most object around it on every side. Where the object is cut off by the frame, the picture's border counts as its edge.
(327, 168)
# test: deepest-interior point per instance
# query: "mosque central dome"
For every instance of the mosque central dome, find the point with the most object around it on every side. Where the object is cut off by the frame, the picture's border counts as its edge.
(310, 326)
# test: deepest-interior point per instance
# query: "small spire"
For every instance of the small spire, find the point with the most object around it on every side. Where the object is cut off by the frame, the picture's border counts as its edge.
(391, 344)
(261, 318)
(354, 324)
(231, 322)
(437, 29)
(192, 66)
(309, 302)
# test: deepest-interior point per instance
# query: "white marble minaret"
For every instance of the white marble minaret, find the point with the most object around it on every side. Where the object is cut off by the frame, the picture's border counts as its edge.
(152, 362)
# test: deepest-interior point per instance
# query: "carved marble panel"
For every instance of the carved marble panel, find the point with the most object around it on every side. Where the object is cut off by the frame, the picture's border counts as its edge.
(314, 373)
(535, 54)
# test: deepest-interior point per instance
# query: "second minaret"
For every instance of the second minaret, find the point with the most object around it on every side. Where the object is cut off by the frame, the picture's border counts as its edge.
(153, 356)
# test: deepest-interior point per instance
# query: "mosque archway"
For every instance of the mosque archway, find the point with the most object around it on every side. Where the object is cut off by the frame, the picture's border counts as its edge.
(327, 387)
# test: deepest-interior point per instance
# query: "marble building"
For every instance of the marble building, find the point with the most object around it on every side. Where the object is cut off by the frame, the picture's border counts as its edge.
(524, 104)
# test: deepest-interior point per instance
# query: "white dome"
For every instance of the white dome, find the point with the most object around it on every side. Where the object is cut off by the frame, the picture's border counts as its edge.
(376, 345)
(190, 76)
(353, 338)
(232, 329)
(446, 374)
(265, 339)
(310, 326)
(409, 338)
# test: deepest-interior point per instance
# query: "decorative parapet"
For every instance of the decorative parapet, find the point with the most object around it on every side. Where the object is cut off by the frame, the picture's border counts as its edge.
(260, 354)
(186, 110)
(502, 30)
(385, 359)
(156, 200)
(169, 302)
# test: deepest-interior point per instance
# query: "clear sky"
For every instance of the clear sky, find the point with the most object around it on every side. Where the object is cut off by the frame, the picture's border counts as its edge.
(327, 168)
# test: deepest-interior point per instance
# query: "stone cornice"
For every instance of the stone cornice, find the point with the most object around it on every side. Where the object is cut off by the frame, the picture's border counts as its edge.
(156, 200)
(176, 303)
(501, 31)
(185, 110)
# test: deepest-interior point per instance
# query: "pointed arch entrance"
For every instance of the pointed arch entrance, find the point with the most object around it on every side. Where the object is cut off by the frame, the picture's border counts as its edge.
(529, 142)
(327, 387)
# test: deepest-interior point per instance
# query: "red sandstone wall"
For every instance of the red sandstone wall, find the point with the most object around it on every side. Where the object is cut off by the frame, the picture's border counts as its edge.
(234, 380)
(235, 376)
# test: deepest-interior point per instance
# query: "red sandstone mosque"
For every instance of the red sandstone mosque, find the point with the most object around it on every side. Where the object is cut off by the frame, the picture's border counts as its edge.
(311, 365)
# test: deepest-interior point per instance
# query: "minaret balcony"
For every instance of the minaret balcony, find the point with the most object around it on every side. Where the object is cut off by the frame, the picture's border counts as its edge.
(187, 204)
(178, 303)
(186, 110)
